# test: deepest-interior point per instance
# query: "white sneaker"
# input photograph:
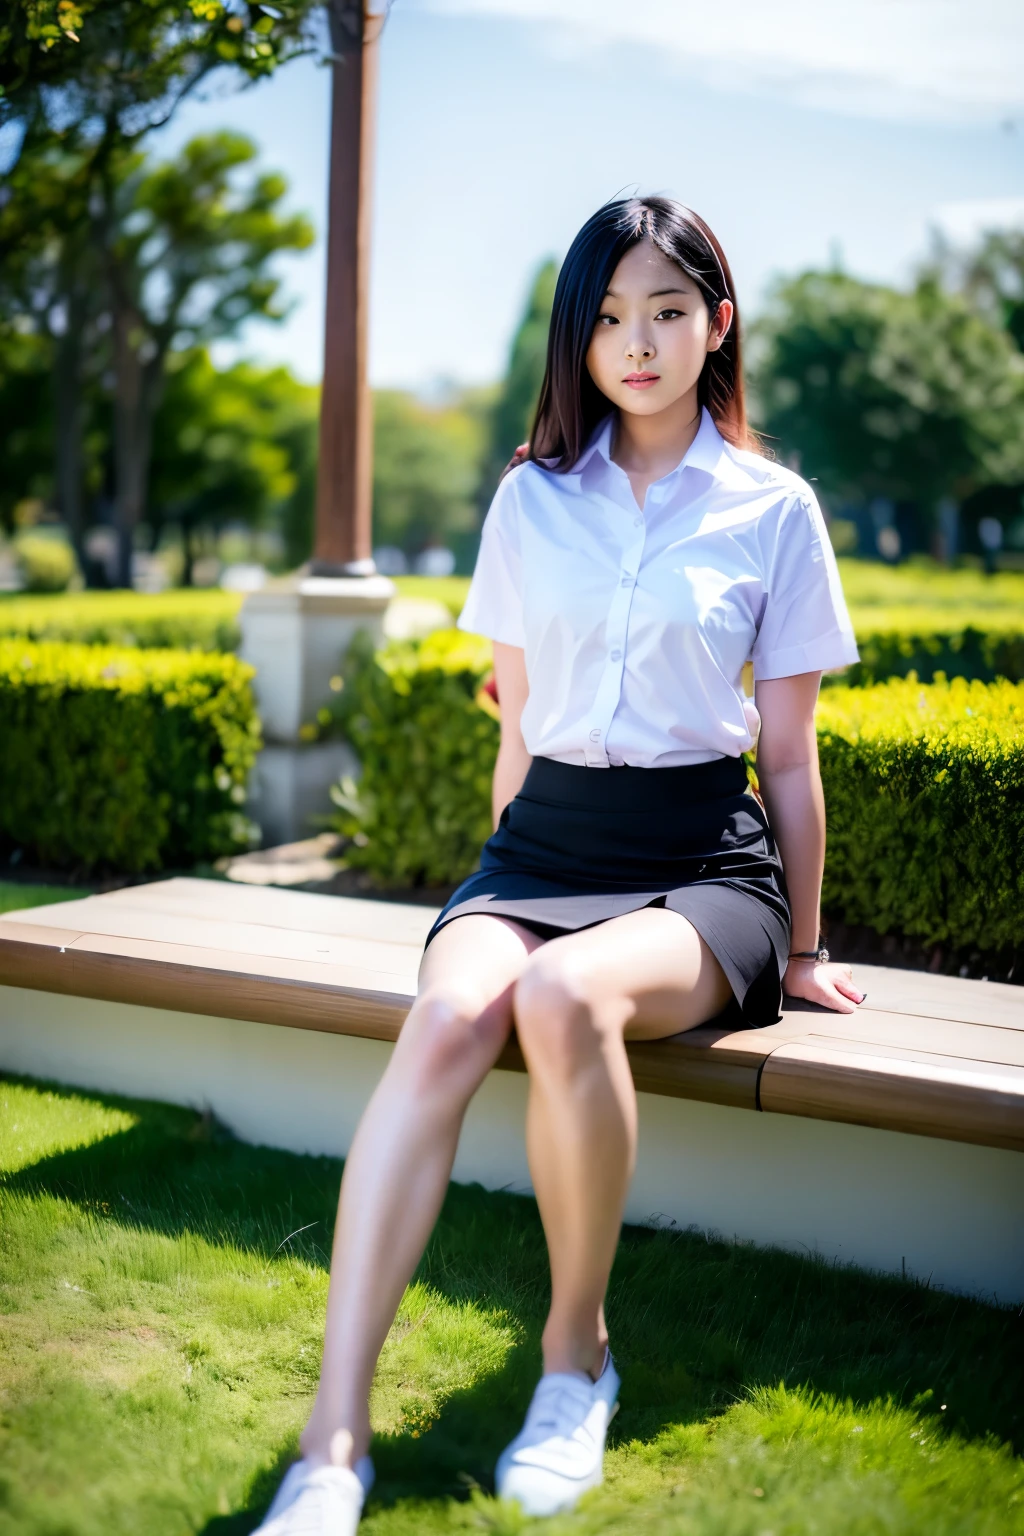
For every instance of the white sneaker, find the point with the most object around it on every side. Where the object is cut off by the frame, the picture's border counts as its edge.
(559, 1452)
(319, 1501)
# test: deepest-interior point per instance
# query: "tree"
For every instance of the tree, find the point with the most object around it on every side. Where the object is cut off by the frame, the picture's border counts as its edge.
(990, 277)
(512, 420)
(910, 396)
(27, 416)
(50, 283)
(81, 83)
(186, 258)
(231, 445)
(188, 261)
(99, 74)
(426, 469)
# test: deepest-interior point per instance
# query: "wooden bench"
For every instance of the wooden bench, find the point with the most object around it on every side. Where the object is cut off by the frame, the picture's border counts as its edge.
(924, 1057)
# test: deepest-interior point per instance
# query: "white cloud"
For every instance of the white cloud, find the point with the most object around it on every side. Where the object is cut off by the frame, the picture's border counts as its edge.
(937, 60)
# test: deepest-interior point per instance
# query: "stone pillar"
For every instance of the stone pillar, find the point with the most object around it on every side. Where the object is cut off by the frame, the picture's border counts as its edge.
(295, 633)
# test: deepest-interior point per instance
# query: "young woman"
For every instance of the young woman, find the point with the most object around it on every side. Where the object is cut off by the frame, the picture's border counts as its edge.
(634, 886)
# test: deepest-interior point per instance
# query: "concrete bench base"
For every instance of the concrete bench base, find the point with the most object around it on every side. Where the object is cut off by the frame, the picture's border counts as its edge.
(945, 1211)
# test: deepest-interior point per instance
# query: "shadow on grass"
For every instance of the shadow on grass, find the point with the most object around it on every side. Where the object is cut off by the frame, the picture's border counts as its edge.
(695, 1322)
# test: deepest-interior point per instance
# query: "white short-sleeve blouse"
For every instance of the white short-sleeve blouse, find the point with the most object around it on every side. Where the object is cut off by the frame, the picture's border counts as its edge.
(636, 624)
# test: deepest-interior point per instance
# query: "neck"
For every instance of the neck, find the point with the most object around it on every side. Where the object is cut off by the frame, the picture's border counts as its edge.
(644, 443)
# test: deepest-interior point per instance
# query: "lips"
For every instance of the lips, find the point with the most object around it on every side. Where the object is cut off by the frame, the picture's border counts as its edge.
(641, 380)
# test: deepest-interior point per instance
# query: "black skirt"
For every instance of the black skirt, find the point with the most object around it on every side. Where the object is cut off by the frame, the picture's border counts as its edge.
(578, 846)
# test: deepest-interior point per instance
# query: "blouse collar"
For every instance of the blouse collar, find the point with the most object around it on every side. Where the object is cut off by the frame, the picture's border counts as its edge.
(708, 452)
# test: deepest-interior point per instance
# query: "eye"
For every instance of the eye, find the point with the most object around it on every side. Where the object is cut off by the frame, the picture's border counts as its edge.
(607, 320)
(668, 314)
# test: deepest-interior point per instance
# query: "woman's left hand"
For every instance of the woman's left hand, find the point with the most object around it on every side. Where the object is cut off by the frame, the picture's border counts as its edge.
(827, 983)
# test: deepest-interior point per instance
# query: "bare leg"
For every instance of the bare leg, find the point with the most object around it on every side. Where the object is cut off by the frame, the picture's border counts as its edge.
(401, 1159)
(646, 975)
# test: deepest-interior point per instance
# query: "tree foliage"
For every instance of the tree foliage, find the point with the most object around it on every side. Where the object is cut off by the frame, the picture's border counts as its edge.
(426, 468)
(27, 415)
(235, 445)
(512, 419)
(51, 286)
(81, 83)
(990, 275)
(904, 395)
(104, 72)
(183, 257)
(189, 253)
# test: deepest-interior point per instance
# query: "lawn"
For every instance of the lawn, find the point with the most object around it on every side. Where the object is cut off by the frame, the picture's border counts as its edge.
(918, 593)
(14, 896)
(162, 1290)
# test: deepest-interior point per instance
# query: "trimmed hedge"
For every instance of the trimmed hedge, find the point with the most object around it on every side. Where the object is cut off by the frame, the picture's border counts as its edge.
(898, 642)
(125, 759)
(191, 620)
(918, 617)
(427, 737)
(959, 640)
(924, 785)
(924, 789)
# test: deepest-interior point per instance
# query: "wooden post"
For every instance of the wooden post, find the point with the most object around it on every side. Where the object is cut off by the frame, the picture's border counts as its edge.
(343, 544)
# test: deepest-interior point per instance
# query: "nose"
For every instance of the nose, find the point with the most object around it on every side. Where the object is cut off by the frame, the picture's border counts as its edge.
(640, 348)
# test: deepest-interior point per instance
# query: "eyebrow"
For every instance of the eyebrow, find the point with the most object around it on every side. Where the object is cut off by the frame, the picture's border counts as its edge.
(659, 293)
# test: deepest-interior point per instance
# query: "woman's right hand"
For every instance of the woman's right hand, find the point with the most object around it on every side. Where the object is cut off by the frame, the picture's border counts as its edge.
(830, 984)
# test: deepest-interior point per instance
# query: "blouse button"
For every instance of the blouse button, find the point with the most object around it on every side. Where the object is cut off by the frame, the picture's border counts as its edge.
(616, 655)
(638, 522)
(595, 735)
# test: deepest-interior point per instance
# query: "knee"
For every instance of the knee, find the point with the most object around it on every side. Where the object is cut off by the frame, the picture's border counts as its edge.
(556, 1014)
(452, 1034)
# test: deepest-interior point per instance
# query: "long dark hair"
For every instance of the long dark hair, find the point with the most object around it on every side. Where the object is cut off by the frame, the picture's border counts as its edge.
(570, 404)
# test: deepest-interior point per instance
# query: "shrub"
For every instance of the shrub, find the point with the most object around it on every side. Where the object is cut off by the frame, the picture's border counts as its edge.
(124, 758)
(924, 789)
(924, 785)
(187, 620)
(898, 642)
(47, 564)
(427, 740)
(921, 618)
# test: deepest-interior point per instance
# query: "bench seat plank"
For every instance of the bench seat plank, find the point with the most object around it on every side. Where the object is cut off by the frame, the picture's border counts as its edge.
(350, 917)
(942, 997)
(121, 921)
(893, 1031)
(929, 1054)
(931, 1096)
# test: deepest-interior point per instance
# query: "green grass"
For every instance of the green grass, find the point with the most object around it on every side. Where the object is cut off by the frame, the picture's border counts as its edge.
(14, 896)
(922, 583)
(916, 597)
(450, 590)
(161, 1301)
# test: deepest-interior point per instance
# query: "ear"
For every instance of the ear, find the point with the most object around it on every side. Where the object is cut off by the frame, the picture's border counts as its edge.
(720, 324)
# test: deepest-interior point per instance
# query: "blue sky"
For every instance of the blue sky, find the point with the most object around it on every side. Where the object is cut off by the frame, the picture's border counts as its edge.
(839, 130)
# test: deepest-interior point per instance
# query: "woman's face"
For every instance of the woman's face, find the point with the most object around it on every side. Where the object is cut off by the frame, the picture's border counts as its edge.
(652, 334)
